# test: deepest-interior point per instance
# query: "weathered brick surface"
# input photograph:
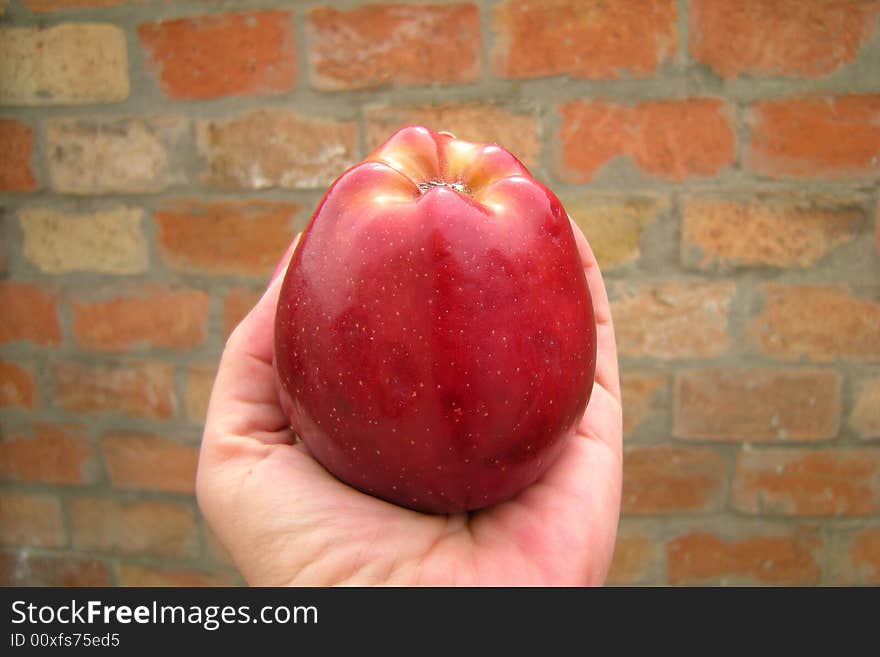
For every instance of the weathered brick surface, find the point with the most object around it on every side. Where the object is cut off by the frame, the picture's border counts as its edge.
(17, 146)
(116, 155)
(641, 392)
(17, 386)
(223, 55)
(199, 382)
(138, 389)
(805, 38)
(225, 237)
(819, 322)
(804, 482)
(31, 520)
(673, 140)
(108, 240)
(477, 122)
(855, 559)
(154, 316)
(636, 558)
(671, 320)
(67, 64)
(141, 461)
(236, 305)
(758, 557)
(864, 419)
(30, 313)
(766, 231)
(148, 527)
(831, 137)
(24, 568)
(393, 44)
(757, 404)
(275, 148)
(137, 575)
(46, 6)
(596, 40)
(47, 453)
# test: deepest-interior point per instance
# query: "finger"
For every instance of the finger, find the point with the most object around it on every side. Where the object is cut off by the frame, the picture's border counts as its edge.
(607, 374)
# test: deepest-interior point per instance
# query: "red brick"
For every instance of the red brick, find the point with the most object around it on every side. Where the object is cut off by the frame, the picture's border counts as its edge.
(17, 386)
(670, 139)
(760, 558)
(830, 137)
(828, 482)
(779, 231)
(31, 520)
(17, 146)
(50, 453)
(641, 394)
(238, 303)
(595, 40)
(140, 527)
(671, 320)
(29, 313)
(152, 316)
(23, 568)
(140, 389)
(223, 55)
(141, 461)
(636, 558)
(397, 44)
(856, 557)
(275, 148)
(225, 237)
(803, 38)
(140, 576)
(476, 122)
(199, 382)
(665, 479)
(821, 322)
(757, 404)
(865, 417)
(46, 6)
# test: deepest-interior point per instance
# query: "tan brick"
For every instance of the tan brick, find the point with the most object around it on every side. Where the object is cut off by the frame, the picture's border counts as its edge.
(108, 240)
(236, 305)
(223, 54)
(865, 417)
(68, 64)
(757, 404)
(23, 568)
(671, 320)
(32, 520)
(821, 322)
(773, 557)
(806, 482)
(225, 237)
(148, 316)
(855, 559)
(782, 231)
(669, 139)
(770, 38)
(660, 479)
(592, 39)
(140, 576)
(29, 313)
(641, 391)
(199, 382)
(139, 527)
(18, 387)
(475, 122)
(829, 137)
(275, 148)
(17, 146)
(141, 389)
(393, 44)
(636, 558)
(116, 155)
(613, 227)
(140, 461)
(49, 453)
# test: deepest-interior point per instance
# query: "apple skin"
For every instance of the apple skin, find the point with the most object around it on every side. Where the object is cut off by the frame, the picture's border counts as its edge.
(435, 342)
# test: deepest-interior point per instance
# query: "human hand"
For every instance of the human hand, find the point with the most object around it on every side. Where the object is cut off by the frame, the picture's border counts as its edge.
(287, 521)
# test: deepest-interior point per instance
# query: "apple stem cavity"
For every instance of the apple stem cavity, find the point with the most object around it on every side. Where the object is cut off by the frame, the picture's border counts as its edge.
(431, 184)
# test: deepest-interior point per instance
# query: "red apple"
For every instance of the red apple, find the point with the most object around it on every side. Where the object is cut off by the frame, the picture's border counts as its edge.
(435, 343)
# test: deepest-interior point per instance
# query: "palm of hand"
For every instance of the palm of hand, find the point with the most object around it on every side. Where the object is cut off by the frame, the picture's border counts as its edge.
(286, 520)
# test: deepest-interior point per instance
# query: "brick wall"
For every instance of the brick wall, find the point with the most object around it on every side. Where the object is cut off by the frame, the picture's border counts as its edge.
(722, 157)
